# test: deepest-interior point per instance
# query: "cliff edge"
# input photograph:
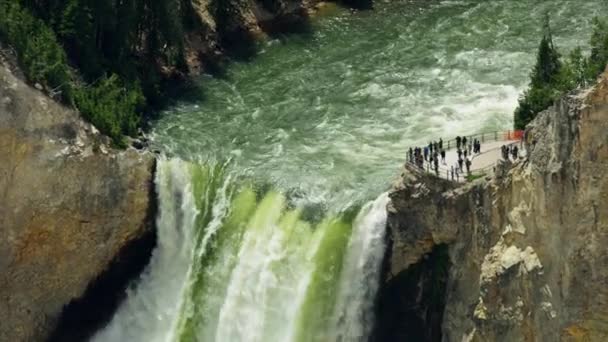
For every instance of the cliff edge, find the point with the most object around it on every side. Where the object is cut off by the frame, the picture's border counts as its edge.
(526, 249)
(69, 204)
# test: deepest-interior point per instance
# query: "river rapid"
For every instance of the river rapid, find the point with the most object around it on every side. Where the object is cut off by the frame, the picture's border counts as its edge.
(271, 191)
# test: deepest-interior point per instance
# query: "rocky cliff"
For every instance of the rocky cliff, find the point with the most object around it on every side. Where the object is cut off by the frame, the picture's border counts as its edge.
(526, 248)
(69, 205)
(232, 27)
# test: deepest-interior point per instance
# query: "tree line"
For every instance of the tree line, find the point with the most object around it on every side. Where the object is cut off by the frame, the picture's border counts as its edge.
(554, 75)
(105, 57)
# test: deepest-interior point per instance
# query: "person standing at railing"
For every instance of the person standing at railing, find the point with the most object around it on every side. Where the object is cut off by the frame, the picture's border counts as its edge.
(514, 152)
(458, 142)
(468, 164)
(443, 156)
(436, 164)
(441, 144)
(464, 141)
(426, 153)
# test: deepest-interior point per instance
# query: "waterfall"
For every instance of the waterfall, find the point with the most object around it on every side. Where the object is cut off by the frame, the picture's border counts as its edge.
(236, 264)
(353, 320)
(149, 312)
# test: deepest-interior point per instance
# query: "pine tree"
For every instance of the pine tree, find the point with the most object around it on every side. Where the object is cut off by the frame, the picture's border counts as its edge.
(547, 60)
(599, 47)
(545, 79)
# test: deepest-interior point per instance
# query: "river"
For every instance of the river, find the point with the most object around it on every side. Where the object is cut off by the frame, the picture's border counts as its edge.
(271, 192)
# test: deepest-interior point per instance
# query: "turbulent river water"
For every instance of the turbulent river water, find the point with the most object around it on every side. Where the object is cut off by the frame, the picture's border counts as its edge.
(271, 205)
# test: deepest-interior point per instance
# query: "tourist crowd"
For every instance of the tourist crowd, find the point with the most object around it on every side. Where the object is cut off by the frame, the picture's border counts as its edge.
(430, 155)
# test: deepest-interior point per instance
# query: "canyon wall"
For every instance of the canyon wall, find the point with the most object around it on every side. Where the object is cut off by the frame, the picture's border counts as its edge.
(527, 257)
(232, 27)
(69, 205)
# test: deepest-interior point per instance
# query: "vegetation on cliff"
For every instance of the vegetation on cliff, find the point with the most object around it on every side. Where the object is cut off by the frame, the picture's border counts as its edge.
(114, 60)
(110, 69)
(552, 75)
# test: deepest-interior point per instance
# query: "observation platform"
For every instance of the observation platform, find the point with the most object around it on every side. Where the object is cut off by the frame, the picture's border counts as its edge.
(482, 163)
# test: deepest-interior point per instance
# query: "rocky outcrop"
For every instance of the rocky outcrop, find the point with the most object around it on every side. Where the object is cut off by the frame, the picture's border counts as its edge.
(527, 247)
(232, 27)
(69, 204)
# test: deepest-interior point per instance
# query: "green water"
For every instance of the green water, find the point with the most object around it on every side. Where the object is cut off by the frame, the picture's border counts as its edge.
(331, 113)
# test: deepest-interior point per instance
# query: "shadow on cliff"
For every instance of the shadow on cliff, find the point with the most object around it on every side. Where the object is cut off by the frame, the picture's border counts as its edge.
(294, 23)
(242, 45)
(358, 4)
(410, 305)
(83, 316)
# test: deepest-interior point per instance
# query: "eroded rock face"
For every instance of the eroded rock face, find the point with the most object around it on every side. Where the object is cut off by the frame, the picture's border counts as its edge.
(68, 205)
(232, 27)
(527, 250)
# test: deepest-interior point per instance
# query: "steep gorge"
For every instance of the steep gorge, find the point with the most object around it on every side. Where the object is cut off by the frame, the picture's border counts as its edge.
(107, 199)
(526, 247)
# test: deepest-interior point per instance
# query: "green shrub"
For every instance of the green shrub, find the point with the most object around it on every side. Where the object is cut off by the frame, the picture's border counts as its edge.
(111, 106)
(40, 56)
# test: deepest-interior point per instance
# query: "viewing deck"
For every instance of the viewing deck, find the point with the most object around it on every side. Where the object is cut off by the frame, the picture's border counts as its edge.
(482, 163)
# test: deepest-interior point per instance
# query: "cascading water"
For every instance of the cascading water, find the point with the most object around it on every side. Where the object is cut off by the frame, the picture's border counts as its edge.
(150, 311)
(235, 264)
(321, 123)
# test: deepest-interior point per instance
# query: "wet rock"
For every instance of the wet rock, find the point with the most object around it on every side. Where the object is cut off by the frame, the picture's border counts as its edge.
(139, 144)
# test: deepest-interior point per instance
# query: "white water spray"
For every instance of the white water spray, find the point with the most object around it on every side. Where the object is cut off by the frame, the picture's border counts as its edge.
(233, 268)
(150, 310)
(354, 317)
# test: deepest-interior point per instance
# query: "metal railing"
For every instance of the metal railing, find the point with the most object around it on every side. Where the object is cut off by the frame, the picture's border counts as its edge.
(487, 137)
(445, 173)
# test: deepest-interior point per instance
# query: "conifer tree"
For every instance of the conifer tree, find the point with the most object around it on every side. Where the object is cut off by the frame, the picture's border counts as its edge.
(599, 47)
(544, 80)
(547, 60)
